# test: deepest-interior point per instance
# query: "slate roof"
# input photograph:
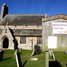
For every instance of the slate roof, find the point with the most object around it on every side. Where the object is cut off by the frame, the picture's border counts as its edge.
(22, 19)
(27, 32)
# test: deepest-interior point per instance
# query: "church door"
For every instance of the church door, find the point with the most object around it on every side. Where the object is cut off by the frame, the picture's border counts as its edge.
(5, 43)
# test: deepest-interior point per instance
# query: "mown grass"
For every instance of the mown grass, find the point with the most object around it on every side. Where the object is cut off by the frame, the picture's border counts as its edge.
(62, 58)
(27, 54)
(10, 61)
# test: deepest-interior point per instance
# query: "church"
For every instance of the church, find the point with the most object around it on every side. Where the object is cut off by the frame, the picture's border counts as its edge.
(20, 30)
(23, 31)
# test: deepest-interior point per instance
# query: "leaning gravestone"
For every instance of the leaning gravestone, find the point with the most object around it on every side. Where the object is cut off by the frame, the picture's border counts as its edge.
(36, 50)
(33, 53)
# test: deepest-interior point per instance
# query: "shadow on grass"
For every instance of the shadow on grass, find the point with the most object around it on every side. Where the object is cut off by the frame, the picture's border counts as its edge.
(54, 64)
(6, 58)
(24, 63)
(19, 59)
(1, 55)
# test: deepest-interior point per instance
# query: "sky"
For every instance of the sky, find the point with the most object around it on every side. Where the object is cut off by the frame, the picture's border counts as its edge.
(49, 7)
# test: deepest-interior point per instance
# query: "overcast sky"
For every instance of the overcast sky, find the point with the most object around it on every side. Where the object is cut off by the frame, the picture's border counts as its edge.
(49, 7)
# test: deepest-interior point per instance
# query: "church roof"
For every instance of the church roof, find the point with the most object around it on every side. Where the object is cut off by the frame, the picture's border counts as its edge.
(19, 19)
(27, 32)
(60, 16)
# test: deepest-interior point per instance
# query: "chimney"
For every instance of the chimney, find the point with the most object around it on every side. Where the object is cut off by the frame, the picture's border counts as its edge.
(4, 10)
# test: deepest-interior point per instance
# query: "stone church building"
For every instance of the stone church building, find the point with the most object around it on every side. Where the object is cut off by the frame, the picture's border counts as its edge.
(27, 30)
(20, 30)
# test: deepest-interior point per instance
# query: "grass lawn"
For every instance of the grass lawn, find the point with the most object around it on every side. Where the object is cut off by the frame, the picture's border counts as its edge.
(27, 54)
(10, 61)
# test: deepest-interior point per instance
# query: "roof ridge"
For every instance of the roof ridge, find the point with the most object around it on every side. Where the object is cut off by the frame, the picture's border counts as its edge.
(26, 14)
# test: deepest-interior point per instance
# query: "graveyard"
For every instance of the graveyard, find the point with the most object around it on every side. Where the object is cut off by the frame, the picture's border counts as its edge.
(20, 42)
(8, 59)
